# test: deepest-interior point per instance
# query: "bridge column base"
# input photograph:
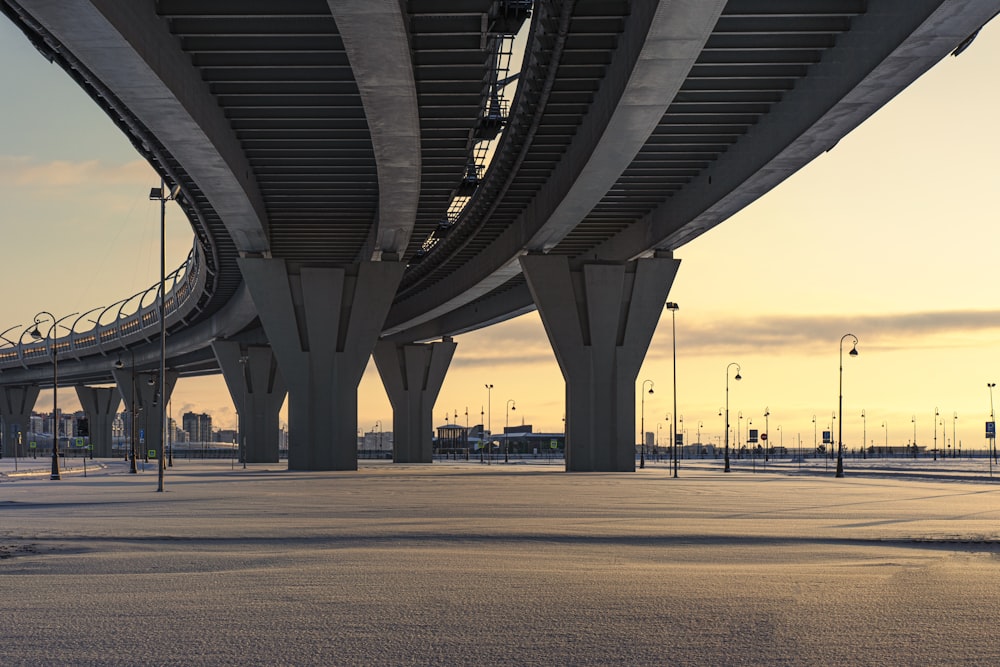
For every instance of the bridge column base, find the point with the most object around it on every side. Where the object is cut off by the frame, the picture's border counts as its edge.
(149, 417)
(599, 318)
(322, 324)
(258, 390)
(16, 404)
(413, 375)
(100, 404)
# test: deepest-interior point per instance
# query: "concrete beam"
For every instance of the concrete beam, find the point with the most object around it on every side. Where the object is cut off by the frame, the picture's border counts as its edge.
(413, 375)
(130, 49)
(378, 48)
(599, 318)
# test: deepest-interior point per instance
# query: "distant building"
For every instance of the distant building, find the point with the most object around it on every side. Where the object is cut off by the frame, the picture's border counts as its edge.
(197, 426)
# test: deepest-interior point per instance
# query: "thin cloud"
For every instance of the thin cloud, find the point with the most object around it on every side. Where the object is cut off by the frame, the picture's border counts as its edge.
(25, 172)
(808, 333)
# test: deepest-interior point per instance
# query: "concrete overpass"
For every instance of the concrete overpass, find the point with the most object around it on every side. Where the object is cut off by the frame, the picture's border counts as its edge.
(331, 159)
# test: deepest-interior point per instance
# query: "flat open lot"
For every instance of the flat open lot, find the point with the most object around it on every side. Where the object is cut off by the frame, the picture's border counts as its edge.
(465, 564)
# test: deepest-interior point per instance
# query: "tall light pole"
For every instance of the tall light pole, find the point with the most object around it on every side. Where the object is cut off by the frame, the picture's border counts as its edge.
(990, 455)
(673, 308)
(119, 364)
(506, 428)
(954, 442)
(914, 420)
(700, 424)
(54, 349)
(161, 195)
(767, 413)
(642, 424)
(936, 415)
(737, 377)
(885, 449)
(489, 419)
(815, 442)
(840, 407)
(864, 435)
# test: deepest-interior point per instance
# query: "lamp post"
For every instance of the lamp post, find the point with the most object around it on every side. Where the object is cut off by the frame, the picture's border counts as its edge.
(51, 335)
(864, 434)
(767, 413)
(162, 195)
(914, 420)
(936, 415)
(131, 431)
(642, 424)
(736, 377)
(990, 386)
(700, 424)
(673, 308)
(739, 434)
(885, 448)
(506, 430)
(489, 418)
(815, 442)
(840, 408)
(668, 418)
(954, 442)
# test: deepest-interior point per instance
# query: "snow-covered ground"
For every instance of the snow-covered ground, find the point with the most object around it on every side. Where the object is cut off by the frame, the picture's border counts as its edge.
(522, 564)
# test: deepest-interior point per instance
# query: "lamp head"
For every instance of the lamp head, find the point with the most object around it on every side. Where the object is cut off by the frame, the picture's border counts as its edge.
(650, 390)
(155, 194)
(35, 333)
(119, 364)
(672, 306)
(152, 381)
(854, 351)
(738, 377)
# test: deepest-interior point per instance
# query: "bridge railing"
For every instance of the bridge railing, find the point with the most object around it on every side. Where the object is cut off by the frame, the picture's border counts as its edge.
(121, 324)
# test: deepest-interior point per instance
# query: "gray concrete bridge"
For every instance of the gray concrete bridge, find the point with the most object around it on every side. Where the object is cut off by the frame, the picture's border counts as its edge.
(330, 157)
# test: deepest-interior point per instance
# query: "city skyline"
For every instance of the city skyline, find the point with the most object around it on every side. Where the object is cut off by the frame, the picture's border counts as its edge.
(886, 236)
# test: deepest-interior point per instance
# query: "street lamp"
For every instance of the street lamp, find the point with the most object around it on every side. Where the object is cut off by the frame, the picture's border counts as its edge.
(489, 419)
(53, 348)
(642, 424)
(885, 448)
(673, 308)
(936, 415)
(954, 442)
(767, 413)
(840, 408)
(131, 435)
(914, 420)
(737, 377)
(700, 424)
(162, 195)
(506, 429)
(815, 441)
(864, 434)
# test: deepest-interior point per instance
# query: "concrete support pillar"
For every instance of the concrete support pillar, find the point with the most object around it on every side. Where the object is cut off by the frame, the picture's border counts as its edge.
(600, 318)
(16, 404)
(100, 404)
(413, 375)
(322, 324)
(149, 417)
(258, 390)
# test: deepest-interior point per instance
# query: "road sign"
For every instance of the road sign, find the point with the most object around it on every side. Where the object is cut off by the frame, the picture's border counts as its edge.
(991, 430)
(679, 439)
(32, 445)
(553, 444)
(753, 436)
(827, 437)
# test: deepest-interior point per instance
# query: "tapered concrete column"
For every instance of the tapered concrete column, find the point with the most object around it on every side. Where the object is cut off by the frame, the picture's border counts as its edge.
(16, 404)
(322, 324)
(150, 417)
(100, 404)
(412, 375)
(599, 318)
(258, 390)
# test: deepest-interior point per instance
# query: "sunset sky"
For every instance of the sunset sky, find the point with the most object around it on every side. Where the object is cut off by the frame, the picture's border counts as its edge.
(891, 236)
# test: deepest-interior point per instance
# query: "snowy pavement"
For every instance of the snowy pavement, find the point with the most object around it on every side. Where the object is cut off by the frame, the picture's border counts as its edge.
(521, 564)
